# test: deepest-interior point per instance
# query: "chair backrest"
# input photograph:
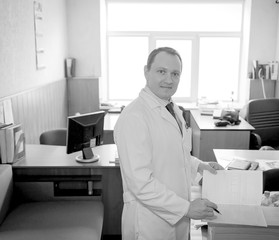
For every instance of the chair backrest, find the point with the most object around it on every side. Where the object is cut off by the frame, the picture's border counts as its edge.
(108, 137)
(263, 115)
(54, 137)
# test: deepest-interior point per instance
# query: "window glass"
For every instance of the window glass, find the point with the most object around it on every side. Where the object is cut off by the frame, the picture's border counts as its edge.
(145, 16)
(219, 67)
(127, 57)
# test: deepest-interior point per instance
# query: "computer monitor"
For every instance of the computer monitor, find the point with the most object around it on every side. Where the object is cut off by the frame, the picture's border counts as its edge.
(84, 132)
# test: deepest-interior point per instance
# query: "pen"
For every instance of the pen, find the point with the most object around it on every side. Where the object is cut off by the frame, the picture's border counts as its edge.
(216, 211)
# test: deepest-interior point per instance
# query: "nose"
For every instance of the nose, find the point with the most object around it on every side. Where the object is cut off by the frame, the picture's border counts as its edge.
(168, 78)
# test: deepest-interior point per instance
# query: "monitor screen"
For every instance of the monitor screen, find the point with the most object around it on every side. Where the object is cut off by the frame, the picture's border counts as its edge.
(84, 131)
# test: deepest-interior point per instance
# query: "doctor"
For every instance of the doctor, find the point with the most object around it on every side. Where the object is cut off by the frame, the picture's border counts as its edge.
(156, 166)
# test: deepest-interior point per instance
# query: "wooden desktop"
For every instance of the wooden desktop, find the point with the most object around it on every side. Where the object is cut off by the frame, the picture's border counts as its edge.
(48, 173)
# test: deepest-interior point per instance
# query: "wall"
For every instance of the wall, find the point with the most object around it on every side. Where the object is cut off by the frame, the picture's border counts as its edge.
(41, 109)
(17, 45)
(83, 18)
(38, 96)
(264, 32)
(277, 52)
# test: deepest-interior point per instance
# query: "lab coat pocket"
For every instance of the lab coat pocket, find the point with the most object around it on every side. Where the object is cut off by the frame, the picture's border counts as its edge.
(152, 227)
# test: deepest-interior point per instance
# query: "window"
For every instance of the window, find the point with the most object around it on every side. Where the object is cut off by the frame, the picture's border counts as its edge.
(207, 34)
(218, 67)
(125, 63)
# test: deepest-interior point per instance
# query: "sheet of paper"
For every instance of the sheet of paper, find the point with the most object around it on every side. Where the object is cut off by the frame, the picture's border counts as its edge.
(240, 214)
(237, 194)
(226, 159)
(233, 187)
(267, 164)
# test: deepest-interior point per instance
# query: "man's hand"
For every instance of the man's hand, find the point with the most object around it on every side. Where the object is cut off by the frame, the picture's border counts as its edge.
(201, 209)
(209, 166)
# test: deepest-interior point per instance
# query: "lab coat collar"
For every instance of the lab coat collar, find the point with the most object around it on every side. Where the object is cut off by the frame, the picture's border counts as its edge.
(157, 101)
(150, 98)
(153, 102)
(161, 101)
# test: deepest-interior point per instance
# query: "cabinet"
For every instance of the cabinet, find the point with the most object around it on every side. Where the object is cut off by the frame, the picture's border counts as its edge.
(256, 90)
(83, 95)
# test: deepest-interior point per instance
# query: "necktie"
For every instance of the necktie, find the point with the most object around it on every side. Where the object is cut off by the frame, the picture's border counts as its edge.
(169, 107)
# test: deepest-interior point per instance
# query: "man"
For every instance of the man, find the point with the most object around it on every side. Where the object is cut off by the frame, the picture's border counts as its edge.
(156, 166)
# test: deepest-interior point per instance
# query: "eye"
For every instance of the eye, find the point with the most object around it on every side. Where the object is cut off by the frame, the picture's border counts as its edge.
(162, 71)
(176, 74)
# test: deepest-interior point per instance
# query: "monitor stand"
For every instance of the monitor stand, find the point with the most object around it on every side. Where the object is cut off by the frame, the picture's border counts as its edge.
(87, 156)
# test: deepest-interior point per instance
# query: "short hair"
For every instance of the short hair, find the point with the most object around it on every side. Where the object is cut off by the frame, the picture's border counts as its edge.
(156, 51)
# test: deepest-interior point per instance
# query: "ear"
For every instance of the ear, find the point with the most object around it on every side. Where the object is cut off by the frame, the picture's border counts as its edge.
(145, 71)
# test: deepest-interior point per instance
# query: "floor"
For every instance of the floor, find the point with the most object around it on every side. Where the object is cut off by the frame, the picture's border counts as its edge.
(196, 234)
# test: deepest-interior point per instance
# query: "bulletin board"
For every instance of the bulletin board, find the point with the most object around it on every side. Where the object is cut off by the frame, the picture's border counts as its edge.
(39, 34)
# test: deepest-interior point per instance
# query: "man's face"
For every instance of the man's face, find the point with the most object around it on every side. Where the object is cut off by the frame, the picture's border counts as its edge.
(164, 75)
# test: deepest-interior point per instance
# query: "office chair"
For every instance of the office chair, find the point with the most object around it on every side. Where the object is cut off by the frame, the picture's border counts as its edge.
(54, 137)
(263, 115)
(58, 137)
(108, 137)
(271, 180)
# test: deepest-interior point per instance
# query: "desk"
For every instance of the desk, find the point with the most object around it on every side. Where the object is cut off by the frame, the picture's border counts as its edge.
(206, 136)
(225, 156)
(223, 231)
(46, 165)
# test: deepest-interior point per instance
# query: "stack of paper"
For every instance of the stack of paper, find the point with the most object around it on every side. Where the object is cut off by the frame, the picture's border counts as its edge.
(6, 112)
(116, 158)
(267, 164)
(238, 164)
(233, 232)
(238, 196)
(12, 143)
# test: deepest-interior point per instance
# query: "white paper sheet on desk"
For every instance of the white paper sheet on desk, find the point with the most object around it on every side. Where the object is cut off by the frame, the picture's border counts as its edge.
(237, 194)
(267, 164)
(240, 215)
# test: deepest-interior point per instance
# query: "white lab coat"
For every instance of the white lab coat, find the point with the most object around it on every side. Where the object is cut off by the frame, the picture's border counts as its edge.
(156, 168)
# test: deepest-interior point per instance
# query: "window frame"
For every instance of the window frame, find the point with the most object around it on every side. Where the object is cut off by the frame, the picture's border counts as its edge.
(182, 35)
